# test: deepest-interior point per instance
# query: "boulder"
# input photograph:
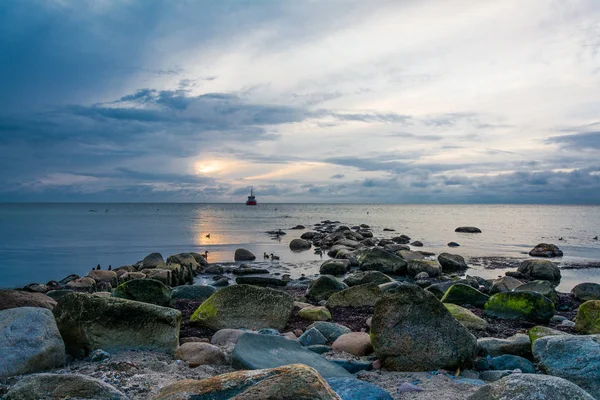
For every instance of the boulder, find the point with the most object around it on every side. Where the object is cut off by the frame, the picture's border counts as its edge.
(57, 294)
(200, 259)
(546, 250)
(464, 295)
(300, 245)
(62, 386)
(467, 229)
(313, 313)
(417, 243)
(355, 389)
(192, 292)
(162, 275)
(245, 306)
(85, 284)
(312, 337)
(226, 336)
(198, 353)
(29, 341)
(402, 239)
(144, 290)
(409, 255)
(128, 276)
(89, 322)
(362, 277)
(104, 276)
(241, 270)
(545, 288)
(530, 386)
(244, 255)
(181, 274)
(587, 320)
(334, 267)
(575, 358)
(541, 270)
(512, 362)
(415, 267)
(356, 296)
(504, 284)
(466, 317)
(152, 260)
(187, 260)
(542, 331)
(586, 291)
(411, 330)
(520, 305)
(452, 262)
(377, 259)
(18, 298)
(394, 247)
(356, 343)
(518, 345)
(254, 351)
(323, 287)
(310, 235)
(296, 381)
(260, 281)
(330, 330)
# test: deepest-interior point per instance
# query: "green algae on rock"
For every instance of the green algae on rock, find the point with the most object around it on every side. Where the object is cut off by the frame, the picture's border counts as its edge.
(587, 320)
(144, 290)
(466, 317)
(538, 332)
(356, 296)
(462, 295)
(516, 305)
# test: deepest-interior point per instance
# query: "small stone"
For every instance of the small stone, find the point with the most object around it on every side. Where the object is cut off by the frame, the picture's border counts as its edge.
(312, 337)
(406, 387)
(99, 355)
(357, 343)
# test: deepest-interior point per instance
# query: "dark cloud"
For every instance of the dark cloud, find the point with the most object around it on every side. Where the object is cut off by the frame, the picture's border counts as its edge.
(338, 176)
(581, 141)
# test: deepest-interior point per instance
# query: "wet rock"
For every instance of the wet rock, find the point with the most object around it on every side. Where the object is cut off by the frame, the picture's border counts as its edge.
(199, 353)
(585, 291)
(298, 227)
(311, 235)
(356, 343)
(334, 267)
(18, 298)
(144, 290)
(319, 348)
(432, 268)
(330, 330)
(356, 296)
(452, 262)
(29, 341)
(192, 292)
(323, 287)
(353, 366)
(62, 386)
(377, 259)
(69, 278)
(395, 247)
(530, 386)
(512, 362)
(540, 270)
(467, 229)
(520, 305)
(546, 250)
(216, 269)
(466, 317)
(296, 381)
(314, 313)
(362, 277)
(265, 351)
(221, 282)
(244, 255)
(300, 245)
(542, 331)
(226, 336)
(152, 260)
(545, 288)
(417, 243)
(518, 345)
(402, 239)
(247, 270)
(575, 358)
(188, 260)
(85, 284)
(355, 389)
(412, 331)
(453, 244)
(409, 255)
(88, 322)
(465, 295)
(312, 337)
(504, 284)
(587, 320)
(260, 281)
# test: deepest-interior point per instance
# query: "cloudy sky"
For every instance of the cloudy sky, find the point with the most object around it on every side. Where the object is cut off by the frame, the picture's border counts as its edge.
(401, 101)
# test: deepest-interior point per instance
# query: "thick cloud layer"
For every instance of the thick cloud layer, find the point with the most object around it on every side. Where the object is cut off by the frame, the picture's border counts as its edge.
(334, 101)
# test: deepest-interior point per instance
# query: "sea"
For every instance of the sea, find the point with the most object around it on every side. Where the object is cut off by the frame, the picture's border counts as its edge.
(48, 241)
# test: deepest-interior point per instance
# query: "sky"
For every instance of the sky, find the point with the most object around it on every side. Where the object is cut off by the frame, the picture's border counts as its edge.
(337, 101)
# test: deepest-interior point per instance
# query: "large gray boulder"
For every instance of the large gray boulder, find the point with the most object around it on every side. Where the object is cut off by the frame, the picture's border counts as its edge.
(467, 229)
(19, 298)
(245, 306)
(540, 270)
(411, 330)
(243, 255)
(546, 250)
(29, 341)
(144, 290)
(63, 386)
(334, 267)
(575, 358)
(452, 262)
(377, 259)
(152, 260)
(323, 287)
(586, 291)
(300, 245)
(415, 267)
(530, 387)
(88, 322)
(255, 351)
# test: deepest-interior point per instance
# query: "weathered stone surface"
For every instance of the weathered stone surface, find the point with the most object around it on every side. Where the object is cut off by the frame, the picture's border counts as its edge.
(152, 260)
(192, 292)
(268, 351)
(245, 306)
(19, 298)
(542, 331)
(357, 343)
(187, 260)
(313, 313)
(464, 295)
(432, 268)
(411, 330)
(512, 362)
(409, 255)
(330, 330)
(452, 262)
(466, 317)
(88, 322)
(300, 245)
(298, 382)
(323, 287)
(540, 269)
(62, 386)
(377, 259)
(226, 336)
(198, 353)
(586, 291)
(518, 345)
(244, 255)
(504, 284)
(355, 389)
(362, 277)
(545, 288)
(29, 341)
(520, 305)
(334, 267)
(587, 320)
(144, 290)
(529, 387)
(546, 250)
(356, 296)
(104, 276)
(575, 358)
(312, 337)
(85, 284)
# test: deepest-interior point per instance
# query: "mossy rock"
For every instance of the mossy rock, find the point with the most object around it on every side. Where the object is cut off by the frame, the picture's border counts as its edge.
(315, 313)
(538, 332)
(466, 317)
(245, 306)
(377, 259)
(323, 287)
(545, 288)
(144, 290)
(587, 320)
(357, 296)
(362, 277)
(520, 305)
(431, 267)
(463, 295)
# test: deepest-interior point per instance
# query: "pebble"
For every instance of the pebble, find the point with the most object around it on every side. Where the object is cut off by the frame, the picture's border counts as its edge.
(99, 355)
(409, 387)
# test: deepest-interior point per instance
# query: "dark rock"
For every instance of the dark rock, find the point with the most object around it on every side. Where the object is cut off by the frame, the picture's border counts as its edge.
(520, 305)
(18, 298)
(221, 282)
(545, 288)
(246, 270)
(330, 330)
(402, 239)
(467, 229)
(504, 284)
(144, 290)
(388, 230)
(311, 235)
(356, 296)
(260, 281)
(583, 292)
(300, 245)
(353, 366)
(452, 262)
(323, 287)
(244, 255)
(376, 259)
(319, 348)
(509, 361)
(214, 269)
(334, 267)
(68, 279)
(192, 292)
(518, 345)
(312, 337)
(394, 247)
(299, 227)
(453, 244)
(153, 260)
(417, 243)
(546, 250)
(464, 295)
(541, 270)
(432, 268)
(362, 277)
(355, 389)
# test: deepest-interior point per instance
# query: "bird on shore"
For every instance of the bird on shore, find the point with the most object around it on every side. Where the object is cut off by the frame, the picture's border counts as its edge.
(560, 238)
(98, 267)
(274, 257)
(110, 267)
(208, 236)
(595, 237)
(205, 254)
(265, 255)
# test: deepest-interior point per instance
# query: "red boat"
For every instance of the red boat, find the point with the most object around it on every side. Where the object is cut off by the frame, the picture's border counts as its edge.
(251, 199)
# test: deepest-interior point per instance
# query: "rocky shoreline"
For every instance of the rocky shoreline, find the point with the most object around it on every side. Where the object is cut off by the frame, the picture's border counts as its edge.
(382, 320)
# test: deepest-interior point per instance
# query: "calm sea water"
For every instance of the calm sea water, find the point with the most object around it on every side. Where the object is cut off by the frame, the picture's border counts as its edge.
(40, 242)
